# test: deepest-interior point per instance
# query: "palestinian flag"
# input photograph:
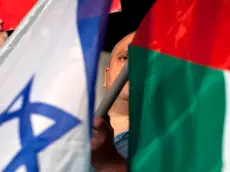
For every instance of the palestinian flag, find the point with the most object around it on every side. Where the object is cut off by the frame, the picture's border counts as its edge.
(179, 65)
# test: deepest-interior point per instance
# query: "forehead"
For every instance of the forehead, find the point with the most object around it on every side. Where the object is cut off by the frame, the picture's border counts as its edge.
(122, 46)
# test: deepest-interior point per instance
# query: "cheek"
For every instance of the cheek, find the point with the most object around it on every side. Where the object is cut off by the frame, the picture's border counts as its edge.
(125, 91)
(126, 87)
(115, 72)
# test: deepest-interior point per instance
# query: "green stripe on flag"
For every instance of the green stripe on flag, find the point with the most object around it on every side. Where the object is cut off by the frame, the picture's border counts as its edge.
(177, 113)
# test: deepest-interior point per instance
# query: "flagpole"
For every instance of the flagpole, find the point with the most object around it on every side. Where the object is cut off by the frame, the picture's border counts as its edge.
(114, 92)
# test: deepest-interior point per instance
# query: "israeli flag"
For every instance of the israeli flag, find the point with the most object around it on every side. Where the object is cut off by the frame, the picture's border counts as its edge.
(47, 77)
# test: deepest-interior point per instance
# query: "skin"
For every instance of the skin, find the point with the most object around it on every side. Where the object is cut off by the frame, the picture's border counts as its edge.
(3, 35)
(119, 113)
(105, 157)
(119, 56)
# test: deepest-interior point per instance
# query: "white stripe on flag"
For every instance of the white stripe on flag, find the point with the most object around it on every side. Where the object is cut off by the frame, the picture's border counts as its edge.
(226, 134)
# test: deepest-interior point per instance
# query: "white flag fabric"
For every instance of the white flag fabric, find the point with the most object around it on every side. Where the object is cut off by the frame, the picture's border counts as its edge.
(47, 73)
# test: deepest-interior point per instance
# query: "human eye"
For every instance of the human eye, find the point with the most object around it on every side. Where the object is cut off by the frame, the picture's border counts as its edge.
(123, 58)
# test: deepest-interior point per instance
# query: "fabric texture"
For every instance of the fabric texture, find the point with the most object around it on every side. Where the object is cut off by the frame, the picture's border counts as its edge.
(179, 103)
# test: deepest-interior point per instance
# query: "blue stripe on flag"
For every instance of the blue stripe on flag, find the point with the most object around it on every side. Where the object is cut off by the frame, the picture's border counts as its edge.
(92, 18)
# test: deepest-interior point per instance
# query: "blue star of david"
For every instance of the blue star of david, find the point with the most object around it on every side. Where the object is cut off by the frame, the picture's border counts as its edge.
(32, 145)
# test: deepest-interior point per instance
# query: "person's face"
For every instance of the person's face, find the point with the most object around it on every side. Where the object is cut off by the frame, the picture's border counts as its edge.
(119, 57)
